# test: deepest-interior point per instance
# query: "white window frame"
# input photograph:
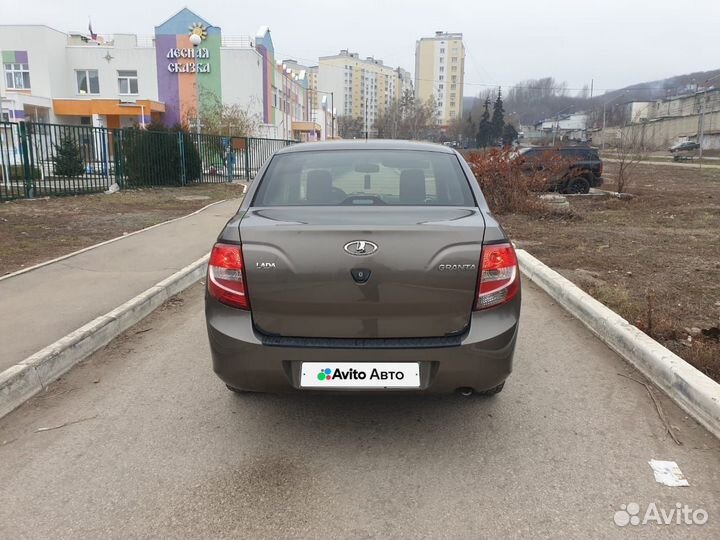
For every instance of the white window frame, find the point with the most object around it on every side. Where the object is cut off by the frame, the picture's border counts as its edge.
(129, 80)
(87, 79)
(14, 69)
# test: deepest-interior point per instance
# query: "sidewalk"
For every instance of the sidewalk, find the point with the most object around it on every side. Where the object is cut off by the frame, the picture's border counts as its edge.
(41, 306)
(692, 165)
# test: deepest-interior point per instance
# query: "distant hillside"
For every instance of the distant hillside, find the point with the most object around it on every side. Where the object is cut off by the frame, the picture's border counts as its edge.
(535, 99)
(648, 91)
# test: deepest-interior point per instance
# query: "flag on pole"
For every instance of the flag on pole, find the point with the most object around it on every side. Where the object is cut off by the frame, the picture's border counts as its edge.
(93, 35)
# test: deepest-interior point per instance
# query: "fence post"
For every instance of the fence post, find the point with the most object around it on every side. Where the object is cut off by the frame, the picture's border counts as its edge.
(27, 169)
(247, 159)
(181, 145)
(117, 155)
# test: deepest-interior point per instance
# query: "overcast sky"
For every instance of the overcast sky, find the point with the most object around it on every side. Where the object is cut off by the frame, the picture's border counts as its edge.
(614, 42)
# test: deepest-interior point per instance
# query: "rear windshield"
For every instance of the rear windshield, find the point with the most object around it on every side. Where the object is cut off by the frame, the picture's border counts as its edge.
(364, 177)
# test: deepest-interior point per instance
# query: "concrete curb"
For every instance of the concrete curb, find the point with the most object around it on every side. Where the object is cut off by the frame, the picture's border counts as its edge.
(22, 381)
(128, 235)
(695, 392)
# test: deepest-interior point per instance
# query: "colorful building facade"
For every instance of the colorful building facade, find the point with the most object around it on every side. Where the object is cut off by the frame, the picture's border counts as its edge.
(126, 79)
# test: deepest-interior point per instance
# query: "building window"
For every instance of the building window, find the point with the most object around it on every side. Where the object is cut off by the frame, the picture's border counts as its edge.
(17, 76)
(87, 81)
(452, 104)
(127, 82)
(454, 68)
(454, 60)
(442, 60)
(442, 69)
(442, 50)
(452, 86)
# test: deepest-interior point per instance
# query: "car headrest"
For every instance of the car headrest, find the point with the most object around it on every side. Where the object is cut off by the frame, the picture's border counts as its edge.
(319, 186)
(412, 186)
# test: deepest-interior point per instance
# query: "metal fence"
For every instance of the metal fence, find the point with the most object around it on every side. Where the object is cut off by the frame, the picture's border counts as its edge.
(38, 160)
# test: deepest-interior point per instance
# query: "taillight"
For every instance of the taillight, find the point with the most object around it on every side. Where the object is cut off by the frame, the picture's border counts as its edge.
(498, 279)
(226, 282)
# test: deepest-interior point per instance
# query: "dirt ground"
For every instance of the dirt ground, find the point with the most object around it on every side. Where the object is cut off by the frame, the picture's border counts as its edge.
(36, 230)
(654, 259)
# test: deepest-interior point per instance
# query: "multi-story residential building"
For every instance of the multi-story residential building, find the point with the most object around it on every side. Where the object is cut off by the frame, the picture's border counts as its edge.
(440, 73)
(405, 81)
(126, 79)
(361, 87)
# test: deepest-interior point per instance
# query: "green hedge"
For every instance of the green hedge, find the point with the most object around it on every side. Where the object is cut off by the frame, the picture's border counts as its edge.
(153, 156)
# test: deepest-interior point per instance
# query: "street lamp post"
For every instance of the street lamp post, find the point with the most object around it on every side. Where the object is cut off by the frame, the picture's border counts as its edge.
(195, 41)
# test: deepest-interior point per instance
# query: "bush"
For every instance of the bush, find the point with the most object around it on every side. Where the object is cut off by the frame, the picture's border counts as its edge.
(67, 159)
(152, 157)
(17, 173)
(511, 187)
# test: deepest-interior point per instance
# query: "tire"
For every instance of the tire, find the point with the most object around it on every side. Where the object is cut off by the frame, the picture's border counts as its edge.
(577, 186)
(492, 391)
(236, 390)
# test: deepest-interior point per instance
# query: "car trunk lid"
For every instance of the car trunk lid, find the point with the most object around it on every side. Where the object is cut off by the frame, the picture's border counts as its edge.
(416, 278)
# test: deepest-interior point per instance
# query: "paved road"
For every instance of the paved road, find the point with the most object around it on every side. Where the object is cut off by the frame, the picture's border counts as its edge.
(43, 305)
(168, 452)
(669, 164)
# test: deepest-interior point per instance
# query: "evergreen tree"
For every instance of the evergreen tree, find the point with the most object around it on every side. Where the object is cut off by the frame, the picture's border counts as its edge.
(498, 119)
(484, 132)
(67, 159)
(509, 135)
(469, 130)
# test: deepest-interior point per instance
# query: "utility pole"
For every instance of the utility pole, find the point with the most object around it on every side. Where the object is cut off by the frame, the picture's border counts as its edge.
(603, 129)
(332, 114)
(366, 118)
(701, 118)
(701, 125)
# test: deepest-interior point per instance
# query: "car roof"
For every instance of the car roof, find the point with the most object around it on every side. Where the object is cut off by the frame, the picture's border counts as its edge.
(361, 144)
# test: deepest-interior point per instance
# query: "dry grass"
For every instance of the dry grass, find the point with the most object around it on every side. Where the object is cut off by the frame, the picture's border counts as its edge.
(36, 230)
(654, 259)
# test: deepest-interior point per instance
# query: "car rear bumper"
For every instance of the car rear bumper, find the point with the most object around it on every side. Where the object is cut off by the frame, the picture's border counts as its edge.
(247, 360)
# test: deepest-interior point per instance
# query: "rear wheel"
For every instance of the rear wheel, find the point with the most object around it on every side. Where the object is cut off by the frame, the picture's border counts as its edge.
(492, 391)
(577, 185)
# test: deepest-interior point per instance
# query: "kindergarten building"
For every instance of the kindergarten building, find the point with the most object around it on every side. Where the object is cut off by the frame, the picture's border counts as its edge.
(125, 80)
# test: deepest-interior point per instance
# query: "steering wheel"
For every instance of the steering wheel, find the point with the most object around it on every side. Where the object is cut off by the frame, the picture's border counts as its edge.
(370, 198)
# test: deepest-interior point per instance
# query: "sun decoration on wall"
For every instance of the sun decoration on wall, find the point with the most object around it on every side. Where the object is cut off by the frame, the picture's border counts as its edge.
(198, 28)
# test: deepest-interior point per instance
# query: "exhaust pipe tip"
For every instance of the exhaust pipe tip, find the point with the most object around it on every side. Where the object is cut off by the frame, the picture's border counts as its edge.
(465, 391)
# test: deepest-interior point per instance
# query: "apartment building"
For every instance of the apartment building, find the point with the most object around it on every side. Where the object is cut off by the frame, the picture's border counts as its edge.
(361, 87)
(127, 79)
(440, 73)
(405, 81)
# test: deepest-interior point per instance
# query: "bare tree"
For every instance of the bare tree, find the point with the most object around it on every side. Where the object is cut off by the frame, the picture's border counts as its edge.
(629, 151)
(218, 118)
(408, 119)
(350, 128)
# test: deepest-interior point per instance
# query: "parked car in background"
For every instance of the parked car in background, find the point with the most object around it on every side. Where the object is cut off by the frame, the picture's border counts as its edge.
(684, 150)
(363, 266)
(576, 170)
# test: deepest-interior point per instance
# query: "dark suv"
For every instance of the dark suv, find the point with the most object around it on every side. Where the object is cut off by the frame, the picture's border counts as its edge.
(581, 167)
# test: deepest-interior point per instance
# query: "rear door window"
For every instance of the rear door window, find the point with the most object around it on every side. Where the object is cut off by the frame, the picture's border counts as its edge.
(364, 177)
